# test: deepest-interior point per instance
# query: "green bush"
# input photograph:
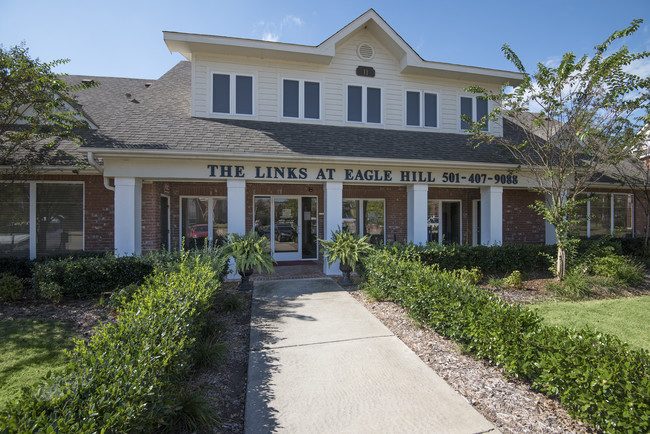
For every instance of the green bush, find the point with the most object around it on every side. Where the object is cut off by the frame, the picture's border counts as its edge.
(514, 280)
(491, 260)
(471, 277)
(596, 377)
(20, 267)
(575, 286)
(87, 276)
(127, 377)
(11, 287)
(624, 270)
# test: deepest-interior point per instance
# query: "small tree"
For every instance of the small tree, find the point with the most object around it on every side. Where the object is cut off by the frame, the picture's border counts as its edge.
(587, 113)
(37, 114)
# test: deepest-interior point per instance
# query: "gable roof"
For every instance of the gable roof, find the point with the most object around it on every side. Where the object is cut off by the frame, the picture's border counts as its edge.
(156, 118)
(410, 62)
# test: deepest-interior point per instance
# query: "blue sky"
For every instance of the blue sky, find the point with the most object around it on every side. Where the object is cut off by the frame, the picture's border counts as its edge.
(124, 38)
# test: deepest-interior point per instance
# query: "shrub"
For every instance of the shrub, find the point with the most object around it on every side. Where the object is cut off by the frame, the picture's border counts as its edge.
(471, 277)
(514, 280)
(51, 291)
(491, 260)
(596, 377)
(87, 276)
(19, 267)
(127, 377)
(624, 270)
(11, 287)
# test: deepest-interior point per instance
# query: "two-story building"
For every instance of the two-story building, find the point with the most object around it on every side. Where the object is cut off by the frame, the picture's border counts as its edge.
(294, 141)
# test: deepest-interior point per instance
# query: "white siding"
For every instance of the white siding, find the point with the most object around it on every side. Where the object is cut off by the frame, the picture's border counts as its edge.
(334, 78)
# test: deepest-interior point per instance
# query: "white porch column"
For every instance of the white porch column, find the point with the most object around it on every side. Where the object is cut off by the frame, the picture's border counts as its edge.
(128, 216)
(333, 219)
(416, 199)
(491, 215)
(236, 214)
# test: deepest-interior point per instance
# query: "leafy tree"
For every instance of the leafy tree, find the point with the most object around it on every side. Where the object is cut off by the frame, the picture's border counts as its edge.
(38, 114)
(587, 114)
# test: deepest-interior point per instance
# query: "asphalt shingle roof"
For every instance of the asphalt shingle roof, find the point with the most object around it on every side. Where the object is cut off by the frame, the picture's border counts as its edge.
(156, 116)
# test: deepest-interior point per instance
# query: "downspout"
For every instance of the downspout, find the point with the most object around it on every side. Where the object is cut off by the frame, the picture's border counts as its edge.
(93, 162)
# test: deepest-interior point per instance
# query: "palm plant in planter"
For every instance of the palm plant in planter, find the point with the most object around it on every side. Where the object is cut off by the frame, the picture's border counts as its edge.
(250, 252)
(348, 249)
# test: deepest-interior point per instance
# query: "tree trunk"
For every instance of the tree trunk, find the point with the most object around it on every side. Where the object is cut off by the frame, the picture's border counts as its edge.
(561, 262)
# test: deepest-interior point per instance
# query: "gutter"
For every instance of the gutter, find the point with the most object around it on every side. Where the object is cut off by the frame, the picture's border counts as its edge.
(95, 164)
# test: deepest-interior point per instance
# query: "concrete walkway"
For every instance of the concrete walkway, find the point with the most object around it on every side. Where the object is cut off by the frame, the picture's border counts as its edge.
(320, 362)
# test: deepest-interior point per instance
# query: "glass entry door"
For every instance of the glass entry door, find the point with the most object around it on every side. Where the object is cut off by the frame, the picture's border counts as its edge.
(286, 229)
(289, 224)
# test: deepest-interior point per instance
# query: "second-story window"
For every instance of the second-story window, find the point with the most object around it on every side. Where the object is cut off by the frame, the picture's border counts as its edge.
(421, 109)
(300, 99)
(232, 91)
(362, 109)
(474, 108)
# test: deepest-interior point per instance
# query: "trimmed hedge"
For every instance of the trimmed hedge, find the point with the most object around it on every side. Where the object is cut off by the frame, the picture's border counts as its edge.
(498, 260)
(87, 276)
(126, 379)
(596, 377)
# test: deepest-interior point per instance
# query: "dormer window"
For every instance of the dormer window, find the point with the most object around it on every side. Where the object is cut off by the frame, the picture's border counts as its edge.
(300, 99)
(232, 91)
(474, 108)
(362, 109)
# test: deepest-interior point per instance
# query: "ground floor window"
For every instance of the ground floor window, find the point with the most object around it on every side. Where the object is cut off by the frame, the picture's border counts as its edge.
(40, 219)
(444, 222)
(203, 219)
(605, 214)
(365, 217)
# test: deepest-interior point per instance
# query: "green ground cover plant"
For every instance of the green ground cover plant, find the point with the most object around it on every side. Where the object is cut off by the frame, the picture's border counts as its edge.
(595, 376)
(626, 318)
(28, 350)
(127, 377)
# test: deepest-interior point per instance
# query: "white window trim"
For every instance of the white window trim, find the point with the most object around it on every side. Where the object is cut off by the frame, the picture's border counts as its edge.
(460, 223)
(474, 112)
(422, 109)
(360, 212)
(210, 200)
(301, 99)
(364, 104)
(32, 212)
(233, 91)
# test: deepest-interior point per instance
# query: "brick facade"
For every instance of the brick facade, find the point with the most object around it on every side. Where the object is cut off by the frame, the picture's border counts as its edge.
(521, 223)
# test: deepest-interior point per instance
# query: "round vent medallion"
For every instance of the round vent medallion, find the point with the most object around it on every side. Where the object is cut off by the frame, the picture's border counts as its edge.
(365, 51)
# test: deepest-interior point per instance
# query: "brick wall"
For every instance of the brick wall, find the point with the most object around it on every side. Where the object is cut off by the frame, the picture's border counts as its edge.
(521, 224)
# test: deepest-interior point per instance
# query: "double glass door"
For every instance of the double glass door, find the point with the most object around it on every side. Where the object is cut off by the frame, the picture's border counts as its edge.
(289, 224)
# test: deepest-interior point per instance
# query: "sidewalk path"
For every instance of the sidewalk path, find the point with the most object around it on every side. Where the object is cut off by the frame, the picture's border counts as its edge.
(320, 362)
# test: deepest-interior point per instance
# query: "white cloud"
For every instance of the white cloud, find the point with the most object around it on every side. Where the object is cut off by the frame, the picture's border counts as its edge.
(269, 36)
(553, 61)
(639, 67)
(271, 31)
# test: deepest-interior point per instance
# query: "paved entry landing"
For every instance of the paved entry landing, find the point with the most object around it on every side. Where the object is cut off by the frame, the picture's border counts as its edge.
(320, 362)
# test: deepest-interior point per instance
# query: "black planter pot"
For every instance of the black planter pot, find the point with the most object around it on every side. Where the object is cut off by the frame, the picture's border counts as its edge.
(245, 284)
(346, 270)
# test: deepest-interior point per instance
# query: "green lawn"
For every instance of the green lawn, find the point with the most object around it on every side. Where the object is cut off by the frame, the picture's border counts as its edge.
(627, 318)
(28, 349)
